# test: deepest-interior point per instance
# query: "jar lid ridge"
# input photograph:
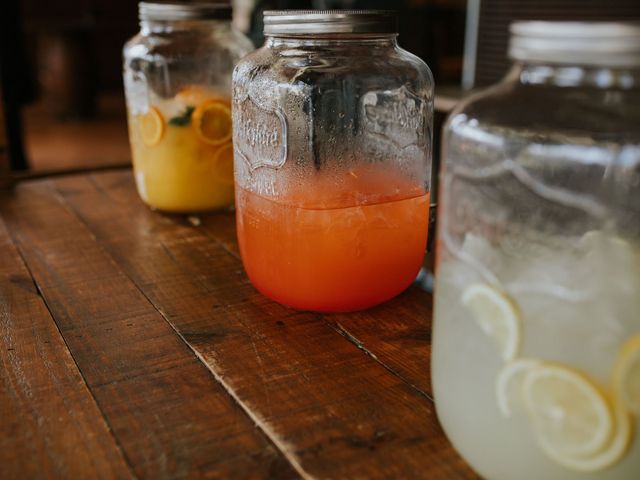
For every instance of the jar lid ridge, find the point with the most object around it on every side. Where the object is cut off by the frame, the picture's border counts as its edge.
(176, 11)
(606, 44)
(301, 22)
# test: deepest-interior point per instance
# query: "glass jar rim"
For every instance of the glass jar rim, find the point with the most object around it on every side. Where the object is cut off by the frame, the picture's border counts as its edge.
(178, 11)
(605, 44)
(304, 22)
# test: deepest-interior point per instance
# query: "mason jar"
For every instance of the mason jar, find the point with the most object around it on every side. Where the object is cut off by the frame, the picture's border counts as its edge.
(332, 135)
(177, 78)
(536, 336)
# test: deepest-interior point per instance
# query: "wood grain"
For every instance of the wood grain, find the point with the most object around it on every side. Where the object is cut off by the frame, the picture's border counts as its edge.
(171, 417)
(50, 426)
(334, 410)
(397, 334)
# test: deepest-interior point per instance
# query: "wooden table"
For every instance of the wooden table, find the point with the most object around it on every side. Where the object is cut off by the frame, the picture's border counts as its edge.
(133, 345)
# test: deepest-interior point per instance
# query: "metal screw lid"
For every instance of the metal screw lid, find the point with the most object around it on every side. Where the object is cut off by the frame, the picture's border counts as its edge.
(606, 44)
(176, 11)
(302, 22)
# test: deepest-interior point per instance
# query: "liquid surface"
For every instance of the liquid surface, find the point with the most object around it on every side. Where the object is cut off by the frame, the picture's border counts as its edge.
(335, 244)
(176, 168)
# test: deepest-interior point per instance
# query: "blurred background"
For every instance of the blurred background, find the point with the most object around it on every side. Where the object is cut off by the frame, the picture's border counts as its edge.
(62, 75)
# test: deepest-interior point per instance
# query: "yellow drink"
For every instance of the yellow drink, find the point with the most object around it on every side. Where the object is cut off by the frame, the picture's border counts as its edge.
(182, 152)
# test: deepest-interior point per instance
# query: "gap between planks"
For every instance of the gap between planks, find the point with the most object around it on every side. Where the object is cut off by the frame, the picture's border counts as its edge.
(361, 346)
(63, 205)
(23, 260)
(334, 325)
(263, 427)
(227, 249)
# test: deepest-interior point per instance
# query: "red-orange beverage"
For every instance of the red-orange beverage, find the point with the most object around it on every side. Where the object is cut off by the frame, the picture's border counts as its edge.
(335, 244)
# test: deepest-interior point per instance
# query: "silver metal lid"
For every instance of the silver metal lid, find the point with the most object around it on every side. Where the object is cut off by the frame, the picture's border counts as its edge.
(302, 22)
(176, 11)
(605, 44)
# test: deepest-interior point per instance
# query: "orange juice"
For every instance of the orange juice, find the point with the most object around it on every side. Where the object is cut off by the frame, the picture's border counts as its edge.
(335, 244)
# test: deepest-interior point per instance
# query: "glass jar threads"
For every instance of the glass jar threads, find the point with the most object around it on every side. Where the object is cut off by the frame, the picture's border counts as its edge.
(332, 135)
(536, 341)
(177, 77)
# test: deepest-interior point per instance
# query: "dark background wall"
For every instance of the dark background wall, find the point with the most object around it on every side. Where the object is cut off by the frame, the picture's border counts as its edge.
(62, 69)
(432, 29)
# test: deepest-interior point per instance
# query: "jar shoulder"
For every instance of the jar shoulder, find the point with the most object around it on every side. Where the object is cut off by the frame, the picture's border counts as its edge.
(542, 110)
(331, 65)
(151, 46)
(134, 47)
(417, 64)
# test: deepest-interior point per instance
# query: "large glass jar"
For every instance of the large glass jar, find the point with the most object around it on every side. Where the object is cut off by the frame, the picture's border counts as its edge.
(177, 77)
(536, 341)
(332, 134)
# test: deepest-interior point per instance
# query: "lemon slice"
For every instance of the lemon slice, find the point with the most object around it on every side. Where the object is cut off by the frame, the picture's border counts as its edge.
(509, 384)
(151, 126)
(626, 374)
(223, 164)
(613, 452)
(497, 315)
(570, 415)
(212, 122)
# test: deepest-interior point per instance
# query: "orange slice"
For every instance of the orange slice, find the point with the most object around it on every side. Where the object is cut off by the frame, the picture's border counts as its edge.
(151, 126)
(192, 95)
(212, 122)
(223, 164)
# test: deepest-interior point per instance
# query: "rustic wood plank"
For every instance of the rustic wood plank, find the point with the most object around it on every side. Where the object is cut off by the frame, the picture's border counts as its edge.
(50, 425)
(397, 334)
(171, 417)
(333, 410)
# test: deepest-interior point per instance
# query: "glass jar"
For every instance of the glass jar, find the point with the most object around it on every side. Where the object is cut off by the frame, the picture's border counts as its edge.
(536, 340)
(177, 78)
(332, 135)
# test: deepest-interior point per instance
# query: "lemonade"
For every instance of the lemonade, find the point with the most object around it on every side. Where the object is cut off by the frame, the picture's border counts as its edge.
(335, 244)
(537, 355)
(182, 151)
